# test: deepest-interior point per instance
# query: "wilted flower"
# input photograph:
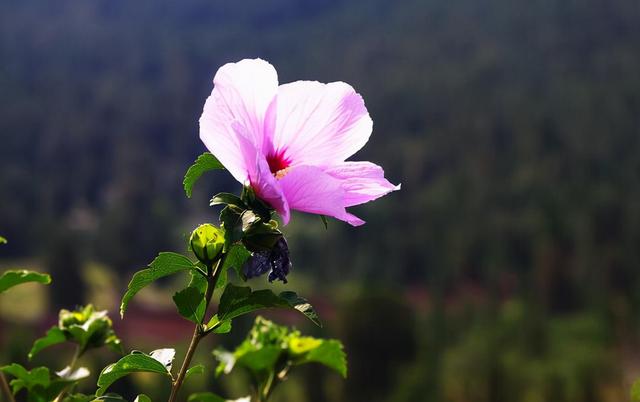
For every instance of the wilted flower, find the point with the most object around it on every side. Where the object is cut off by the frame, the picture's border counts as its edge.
(290, 142)
(275, 261)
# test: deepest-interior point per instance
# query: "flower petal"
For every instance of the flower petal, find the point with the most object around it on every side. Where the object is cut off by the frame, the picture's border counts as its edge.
(242, 94)
(268, 189)
(259, 175)
(310, 189)
(361, 181)
(320, 124)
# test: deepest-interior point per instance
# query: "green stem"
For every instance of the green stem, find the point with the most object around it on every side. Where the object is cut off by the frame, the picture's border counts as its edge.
(5, 388)
(74, 359)
(198, 333)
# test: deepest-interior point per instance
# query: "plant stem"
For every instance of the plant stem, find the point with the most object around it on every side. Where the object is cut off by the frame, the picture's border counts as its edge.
(198, 333)
(74, 359)
(5, 388)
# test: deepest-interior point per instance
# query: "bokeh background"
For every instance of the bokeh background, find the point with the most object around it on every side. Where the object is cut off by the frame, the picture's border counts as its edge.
(507, 268)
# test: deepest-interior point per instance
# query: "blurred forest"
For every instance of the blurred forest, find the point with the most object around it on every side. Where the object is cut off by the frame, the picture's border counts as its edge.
(507, 268)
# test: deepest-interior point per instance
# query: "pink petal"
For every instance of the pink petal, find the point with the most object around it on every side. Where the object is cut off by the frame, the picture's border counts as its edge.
(268, 189)
(242, 94)
(309, 189)
(361, 181)
(320, 124)
(260, 177)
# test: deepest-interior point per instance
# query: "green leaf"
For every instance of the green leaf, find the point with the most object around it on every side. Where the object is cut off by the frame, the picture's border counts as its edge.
(635, 391)
(325, 222)
(16, 277)
(190, 304)
(218, 327)
(199, 282)
(132, 363)
(163, 265)
(197, 369)
(39, 376)
(3, 240)
(261, 359)
(109, 397)
(329, 353)
(78, 398)
(205, 397)
(302, 305)
(231, 220)
(204, 163)
(53, 336)
(228, 199)
(236, 257)
(236, 301)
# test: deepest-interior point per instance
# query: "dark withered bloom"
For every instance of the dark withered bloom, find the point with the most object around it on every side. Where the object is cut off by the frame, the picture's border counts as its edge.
(275, 261)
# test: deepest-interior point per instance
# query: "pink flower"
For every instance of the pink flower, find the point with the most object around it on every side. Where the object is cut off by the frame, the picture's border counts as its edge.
(290, 142)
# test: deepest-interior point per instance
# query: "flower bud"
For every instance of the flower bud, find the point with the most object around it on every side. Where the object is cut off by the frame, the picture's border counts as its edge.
(207, 242)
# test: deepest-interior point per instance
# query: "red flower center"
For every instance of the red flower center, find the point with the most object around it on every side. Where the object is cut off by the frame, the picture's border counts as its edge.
(278, 164)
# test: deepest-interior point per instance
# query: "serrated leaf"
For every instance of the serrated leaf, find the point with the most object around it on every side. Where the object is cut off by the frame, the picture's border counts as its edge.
(132, 363)
(197, 369)
(39, 376)
(237, 300)
(199, 282)
(163, 265)
(236, 257)
(13, 278)
(228, 199)
(330, 353)
(204, 163)
(302, 305)
(190, 304)
(53, 336)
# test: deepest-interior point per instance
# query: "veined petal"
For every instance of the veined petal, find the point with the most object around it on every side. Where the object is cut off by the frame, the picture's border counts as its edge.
(259, 175)
(310, 189)
(361, 181)
(320, 124)
(270, 190)
(242, 94)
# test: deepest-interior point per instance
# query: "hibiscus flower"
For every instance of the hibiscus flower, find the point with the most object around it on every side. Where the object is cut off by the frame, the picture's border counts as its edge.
(290, 142)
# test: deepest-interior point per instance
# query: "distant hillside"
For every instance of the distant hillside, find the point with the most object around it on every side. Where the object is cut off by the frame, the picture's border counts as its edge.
(514, 127)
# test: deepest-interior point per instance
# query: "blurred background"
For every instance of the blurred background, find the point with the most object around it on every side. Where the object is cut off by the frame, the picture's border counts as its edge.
(507, 268)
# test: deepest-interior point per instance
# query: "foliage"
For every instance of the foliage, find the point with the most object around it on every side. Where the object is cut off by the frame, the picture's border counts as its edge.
(85, 327)
(11, 278)
(158, 361)
(165, 264)
(270, 351)
(204, 163)
(40, 384)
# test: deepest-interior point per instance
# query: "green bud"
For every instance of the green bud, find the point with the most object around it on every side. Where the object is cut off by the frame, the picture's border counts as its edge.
(207, 242)
(88, 328)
